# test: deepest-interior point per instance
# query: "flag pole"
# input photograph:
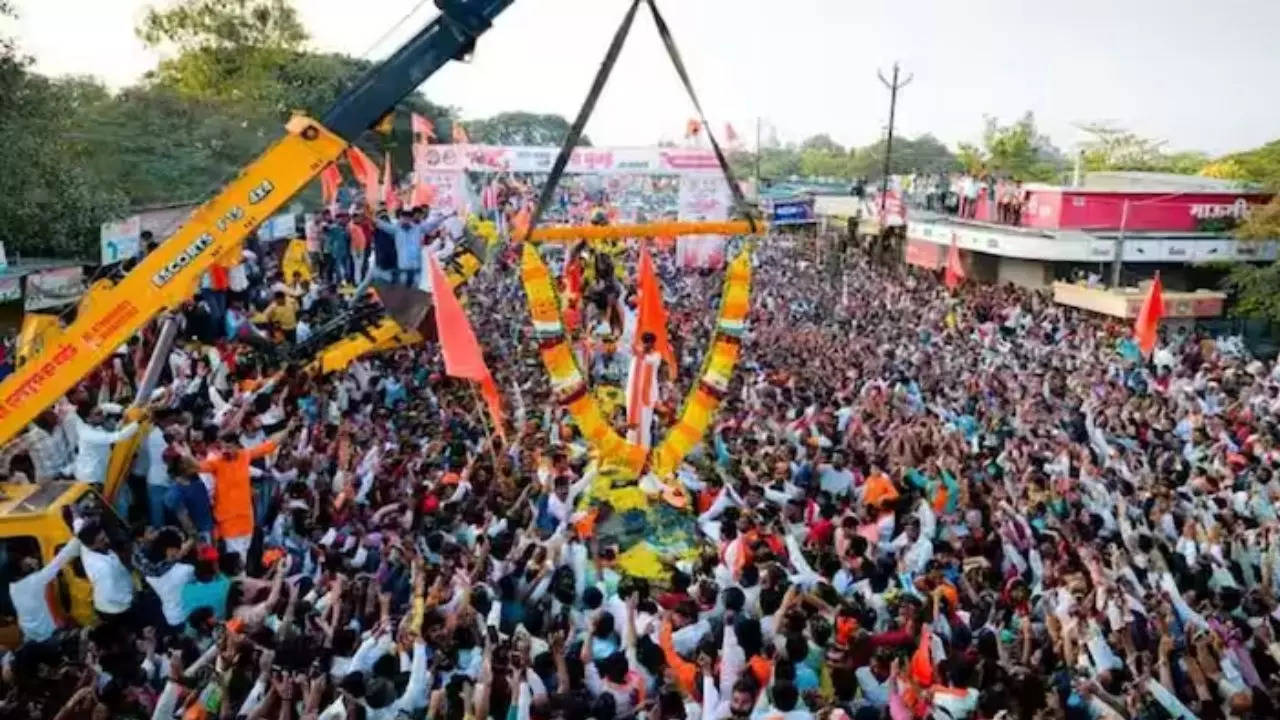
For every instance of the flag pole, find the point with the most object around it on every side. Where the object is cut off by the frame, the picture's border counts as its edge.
(488, 429)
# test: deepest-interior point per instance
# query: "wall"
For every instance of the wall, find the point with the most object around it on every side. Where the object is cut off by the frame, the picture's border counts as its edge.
(1030, 274)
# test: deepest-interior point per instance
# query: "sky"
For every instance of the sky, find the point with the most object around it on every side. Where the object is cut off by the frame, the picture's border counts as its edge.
(1201, 76)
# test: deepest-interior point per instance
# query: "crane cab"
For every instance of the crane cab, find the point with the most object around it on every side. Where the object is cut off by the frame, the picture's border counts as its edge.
(35, 520)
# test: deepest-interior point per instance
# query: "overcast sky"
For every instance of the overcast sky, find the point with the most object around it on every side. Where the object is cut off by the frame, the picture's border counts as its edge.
(1200, 75)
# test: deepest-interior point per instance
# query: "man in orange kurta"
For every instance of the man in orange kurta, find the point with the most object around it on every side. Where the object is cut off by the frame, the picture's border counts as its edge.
(232, 491)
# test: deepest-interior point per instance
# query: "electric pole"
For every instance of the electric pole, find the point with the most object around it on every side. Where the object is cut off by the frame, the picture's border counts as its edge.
(894, 87)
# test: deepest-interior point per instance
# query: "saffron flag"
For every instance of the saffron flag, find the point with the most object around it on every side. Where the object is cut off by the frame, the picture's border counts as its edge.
(330, 180)
(366, 172)
(460, 134)
(692, 128)
(423, 130)
(389, 197)
(423, 194)
(1148, 321)
(458, 344)
(954, 273)
(653, 315)
(921, 665)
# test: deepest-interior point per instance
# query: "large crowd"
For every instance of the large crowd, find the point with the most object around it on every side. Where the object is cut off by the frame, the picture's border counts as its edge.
(914, 503)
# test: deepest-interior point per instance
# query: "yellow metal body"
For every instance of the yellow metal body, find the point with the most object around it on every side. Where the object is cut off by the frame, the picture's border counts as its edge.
(32, 515)
(169, 275)
(574, 233)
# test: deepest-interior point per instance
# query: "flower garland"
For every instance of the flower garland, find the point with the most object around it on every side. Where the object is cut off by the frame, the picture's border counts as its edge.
(570, 386)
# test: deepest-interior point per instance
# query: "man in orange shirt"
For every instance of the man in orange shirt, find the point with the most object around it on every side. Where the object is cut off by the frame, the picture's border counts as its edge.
(228, 463)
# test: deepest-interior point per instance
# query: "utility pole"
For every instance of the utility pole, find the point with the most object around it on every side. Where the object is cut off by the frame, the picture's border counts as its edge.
(1118, 261)
(893, 87)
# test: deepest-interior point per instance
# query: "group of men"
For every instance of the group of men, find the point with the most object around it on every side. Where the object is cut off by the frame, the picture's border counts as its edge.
(915, 503)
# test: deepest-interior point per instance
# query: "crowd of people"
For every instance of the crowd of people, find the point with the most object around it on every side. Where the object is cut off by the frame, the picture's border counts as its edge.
(958, 194)
(914, 503)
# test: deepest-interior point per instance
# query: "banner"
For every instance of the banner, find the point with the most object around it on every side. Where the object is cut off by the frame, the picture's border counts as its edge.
(121, 240)
(539, 159)
(52, 288)
(798, 211)
(10, 289)
(450, 190)
(278, 227)
(703, 196)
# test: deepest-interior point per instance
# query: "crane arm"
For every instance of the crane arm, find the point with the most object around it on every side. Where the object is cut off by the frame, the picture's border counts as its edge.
(216, 230)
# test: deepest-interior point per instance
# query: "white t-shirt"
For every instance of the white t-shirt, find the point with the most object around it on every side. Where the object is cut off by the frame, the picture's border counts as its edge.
(29, 598)
(112, 583)
(169, 588)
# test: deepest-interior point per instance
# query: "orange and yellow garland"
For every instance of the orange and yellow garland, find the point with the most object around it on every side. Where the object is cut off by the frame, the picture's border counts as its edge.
(570, 385)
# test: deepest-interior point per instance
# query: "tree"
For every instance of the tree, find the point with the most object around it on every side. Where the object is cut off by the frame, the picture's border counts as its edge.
(49, 203)
(1019, 151)
(822, 143)
(1260, 165)
(521, 128)
(1114, 148)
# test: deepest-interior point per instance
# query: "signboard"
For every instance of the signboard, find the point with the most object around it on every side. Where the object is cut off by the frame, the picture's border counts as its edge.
(10, 289)
(539, 159)
(121, 240)
(278, 227)
(52, 288)
(792, 212)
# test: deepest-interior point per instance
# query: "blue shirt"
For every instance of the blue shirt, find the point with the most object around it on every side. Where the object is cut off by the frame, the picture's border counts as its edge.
(194, 499)
(212, 594)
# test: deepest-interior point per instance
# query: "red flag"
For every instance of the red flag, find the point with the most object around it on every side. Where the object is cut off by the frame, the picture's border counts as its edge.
(653, 315)
(460, 134)
(389, 197)
(366, 172)
(921, 663)
(458, 344)
(692, 128)
(954, 273)
(330, 179)
(423, 130)
(1148, 321)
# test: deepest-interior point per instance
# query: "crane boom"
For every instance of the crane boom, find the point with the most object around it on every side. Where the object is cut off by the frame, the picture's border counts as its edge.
(216, 230)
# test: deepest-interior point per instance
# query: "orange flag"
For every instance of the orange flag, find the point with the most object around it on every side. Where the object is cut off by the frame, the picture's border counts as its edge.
(458, 344)
(389, 197)
(921, 662)
(653, 315)
(330, 180)
(460, 134)
(366, 172)
(422, 196)
(1148, 322)
(520, 223)
(692, 128)
(954, 273)
(423, 130)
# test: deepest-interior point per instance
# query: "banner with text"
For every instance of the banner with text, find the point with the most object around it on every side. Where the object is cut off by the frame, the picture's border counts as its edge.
(52, 288)
(703, 196)
(534, 159)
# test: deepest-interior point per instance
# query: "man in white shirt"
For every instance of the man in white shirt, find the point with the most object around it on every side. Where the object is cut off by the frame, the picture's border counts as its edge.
(111, 580)
(94, 443)
(29, 596)
(166, 575)
(158, 480)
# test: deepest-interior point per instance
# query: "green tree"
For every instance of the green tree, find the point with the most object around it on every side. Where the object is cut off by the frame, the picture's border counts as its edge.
(1113, 148)
(50, 204)
(1018, 150)
(822, 143)
(1260, 165)
(521, 128)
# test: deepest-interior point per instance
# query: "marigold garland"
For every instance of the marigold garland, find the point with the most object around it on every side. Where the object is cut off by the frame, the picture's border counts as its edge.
(570, 386)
